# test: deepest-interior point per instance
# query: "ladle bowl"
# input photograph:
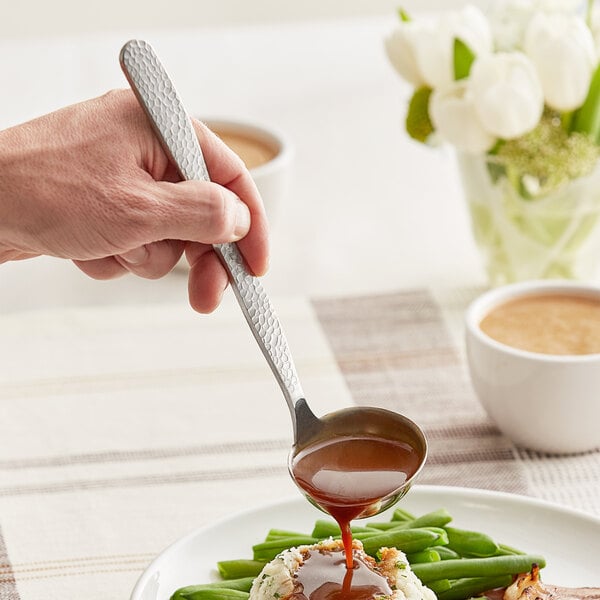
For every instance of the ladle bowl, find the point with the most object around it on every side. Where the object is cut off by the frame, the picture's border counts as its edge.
(362, 423)
(159, 99)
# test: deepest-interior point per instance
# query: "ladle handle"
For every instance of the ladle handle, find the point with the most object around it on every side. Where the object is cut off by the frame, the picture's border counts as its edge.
(158, 97)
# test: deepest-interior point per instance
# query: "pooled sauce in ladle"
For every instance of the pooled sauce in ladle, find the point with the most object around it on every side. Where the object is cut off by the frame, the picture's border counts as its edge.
(324, 576)
(349, 476)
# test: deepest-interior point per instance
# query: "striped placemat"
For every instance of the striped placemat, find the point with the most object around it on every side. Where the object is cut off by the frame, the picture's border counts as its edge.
(124, 428)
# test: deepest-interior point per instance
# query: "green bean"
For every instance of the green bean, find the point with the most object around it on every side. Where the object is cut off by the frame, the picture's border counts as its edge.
(201, 592)
(470, 543)
(269, 550)
(234, 569)
(385, 525)
(466, 588)
(280, 533)
(402, 515)
(407, 540)
(437, 518)
(477, 567)
(241, 584)
(441, 585)
(427, 555)
(504, 549)
(445, 553)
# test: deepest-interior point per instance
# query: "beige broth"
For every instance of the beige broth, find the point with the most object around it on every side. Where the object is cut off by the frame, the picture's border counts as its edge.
(555, 323)
(252, 151)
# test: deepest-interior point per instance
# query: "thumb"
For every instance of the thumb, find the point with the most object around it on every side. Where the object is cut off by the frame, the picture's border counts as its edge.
(201, 211)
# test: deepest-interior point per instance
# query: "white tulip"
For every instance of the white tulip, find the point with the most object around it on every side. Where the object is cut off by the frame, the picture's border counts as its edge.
(510, 18)
(563, 52)
(400, 49)
(453, 115)
(422, 51)
(434, 50)
(507, 94)
(595, 27)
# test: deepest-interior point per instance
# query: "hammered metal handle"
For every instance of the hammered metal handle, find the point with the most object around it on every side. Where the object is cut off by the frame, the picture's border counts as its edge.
(157, 95)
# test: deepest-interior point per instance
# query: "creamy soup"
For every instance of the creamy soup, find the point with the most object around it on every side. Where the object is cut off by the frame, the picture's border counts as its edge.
(547, 323)
(253, 151)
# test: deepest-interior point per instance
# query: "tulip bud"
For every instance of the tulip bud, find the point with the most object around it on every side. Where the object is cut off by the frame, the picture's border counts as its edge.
(423, 51)
(507, 94)
(562, 49)
(435, 46)
(400, 49)
(453, 114)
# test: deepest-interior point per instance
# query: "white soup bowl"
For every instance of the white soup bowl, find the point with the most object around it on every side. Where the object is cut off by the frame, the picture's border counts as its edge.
(545, 402)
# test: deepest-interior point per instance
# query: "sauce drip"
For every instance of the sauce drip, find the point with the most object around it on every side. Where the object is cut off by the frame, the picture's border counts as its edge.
(349, 476)
(324, 576)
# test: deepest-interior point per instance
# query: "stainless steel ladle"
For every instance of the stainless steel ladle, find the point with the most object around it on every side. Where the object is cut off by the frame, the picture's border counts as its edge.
(158, 97)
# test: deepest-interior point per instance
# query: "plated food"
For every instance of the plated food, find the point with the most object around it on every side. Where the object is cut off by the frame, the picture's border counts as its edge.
(403, 558)
(563, 536)
(318, 571)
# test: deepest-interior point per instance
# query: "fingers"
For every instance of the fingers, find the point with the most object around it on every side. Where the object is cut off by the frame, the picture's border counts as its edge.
(208, 213)
(207, 278)
(200, 211)
(227, 169)
(150, 261)
(101, 268)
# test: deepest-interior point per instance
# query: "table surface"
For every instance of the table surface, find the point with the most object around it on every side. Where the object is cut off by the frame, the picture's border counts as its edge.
(127, 420)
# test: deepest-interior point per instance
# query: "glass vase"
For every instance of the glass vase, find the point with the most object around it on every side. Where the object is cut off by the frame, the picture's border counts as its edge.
(550, 235)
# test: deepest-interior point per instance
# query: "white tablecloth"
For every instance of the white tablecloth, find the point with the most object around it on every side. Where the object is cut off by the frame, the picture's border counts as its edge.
(126, 420)
(123, 428)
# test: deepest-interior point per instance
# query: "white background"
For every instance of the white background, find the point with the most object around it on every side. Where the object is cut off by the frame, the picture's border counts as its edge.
(368, 210)
(26, 18)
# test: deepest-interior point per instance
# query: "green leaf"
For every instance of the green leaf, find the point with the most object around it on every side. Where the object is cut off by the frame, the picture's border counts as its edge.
(463, 59)
(418, 123)
(404, 16)
(586, 119)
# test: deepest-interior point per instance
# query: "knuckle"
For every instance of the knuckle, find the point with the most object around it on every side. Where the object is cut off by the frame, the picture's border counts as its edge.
(220, 214)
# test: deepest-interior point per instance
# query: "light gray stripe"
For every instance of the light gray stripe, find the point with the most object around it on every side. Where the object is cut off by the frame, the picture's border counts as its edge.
(144, 481)
(137, 455)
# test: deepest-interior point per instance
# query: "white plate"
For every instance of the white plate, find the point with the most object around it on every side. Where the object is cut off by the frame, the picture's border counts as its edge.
(568, 539)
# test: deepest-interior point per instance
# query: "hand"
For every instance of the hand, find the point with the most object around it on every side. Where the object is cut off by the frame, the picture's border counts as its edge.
(91, 183)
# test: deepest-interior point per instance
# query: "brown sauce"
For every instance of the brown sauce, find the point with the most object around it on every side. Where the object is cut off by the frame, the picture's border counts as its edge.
(324, 576)
(252, 150)
(561, 324)
(348, 476)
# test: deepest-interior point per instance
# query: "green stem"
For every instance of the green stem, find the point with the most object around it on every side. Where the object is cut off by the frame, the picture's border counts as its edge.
(566, 120)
